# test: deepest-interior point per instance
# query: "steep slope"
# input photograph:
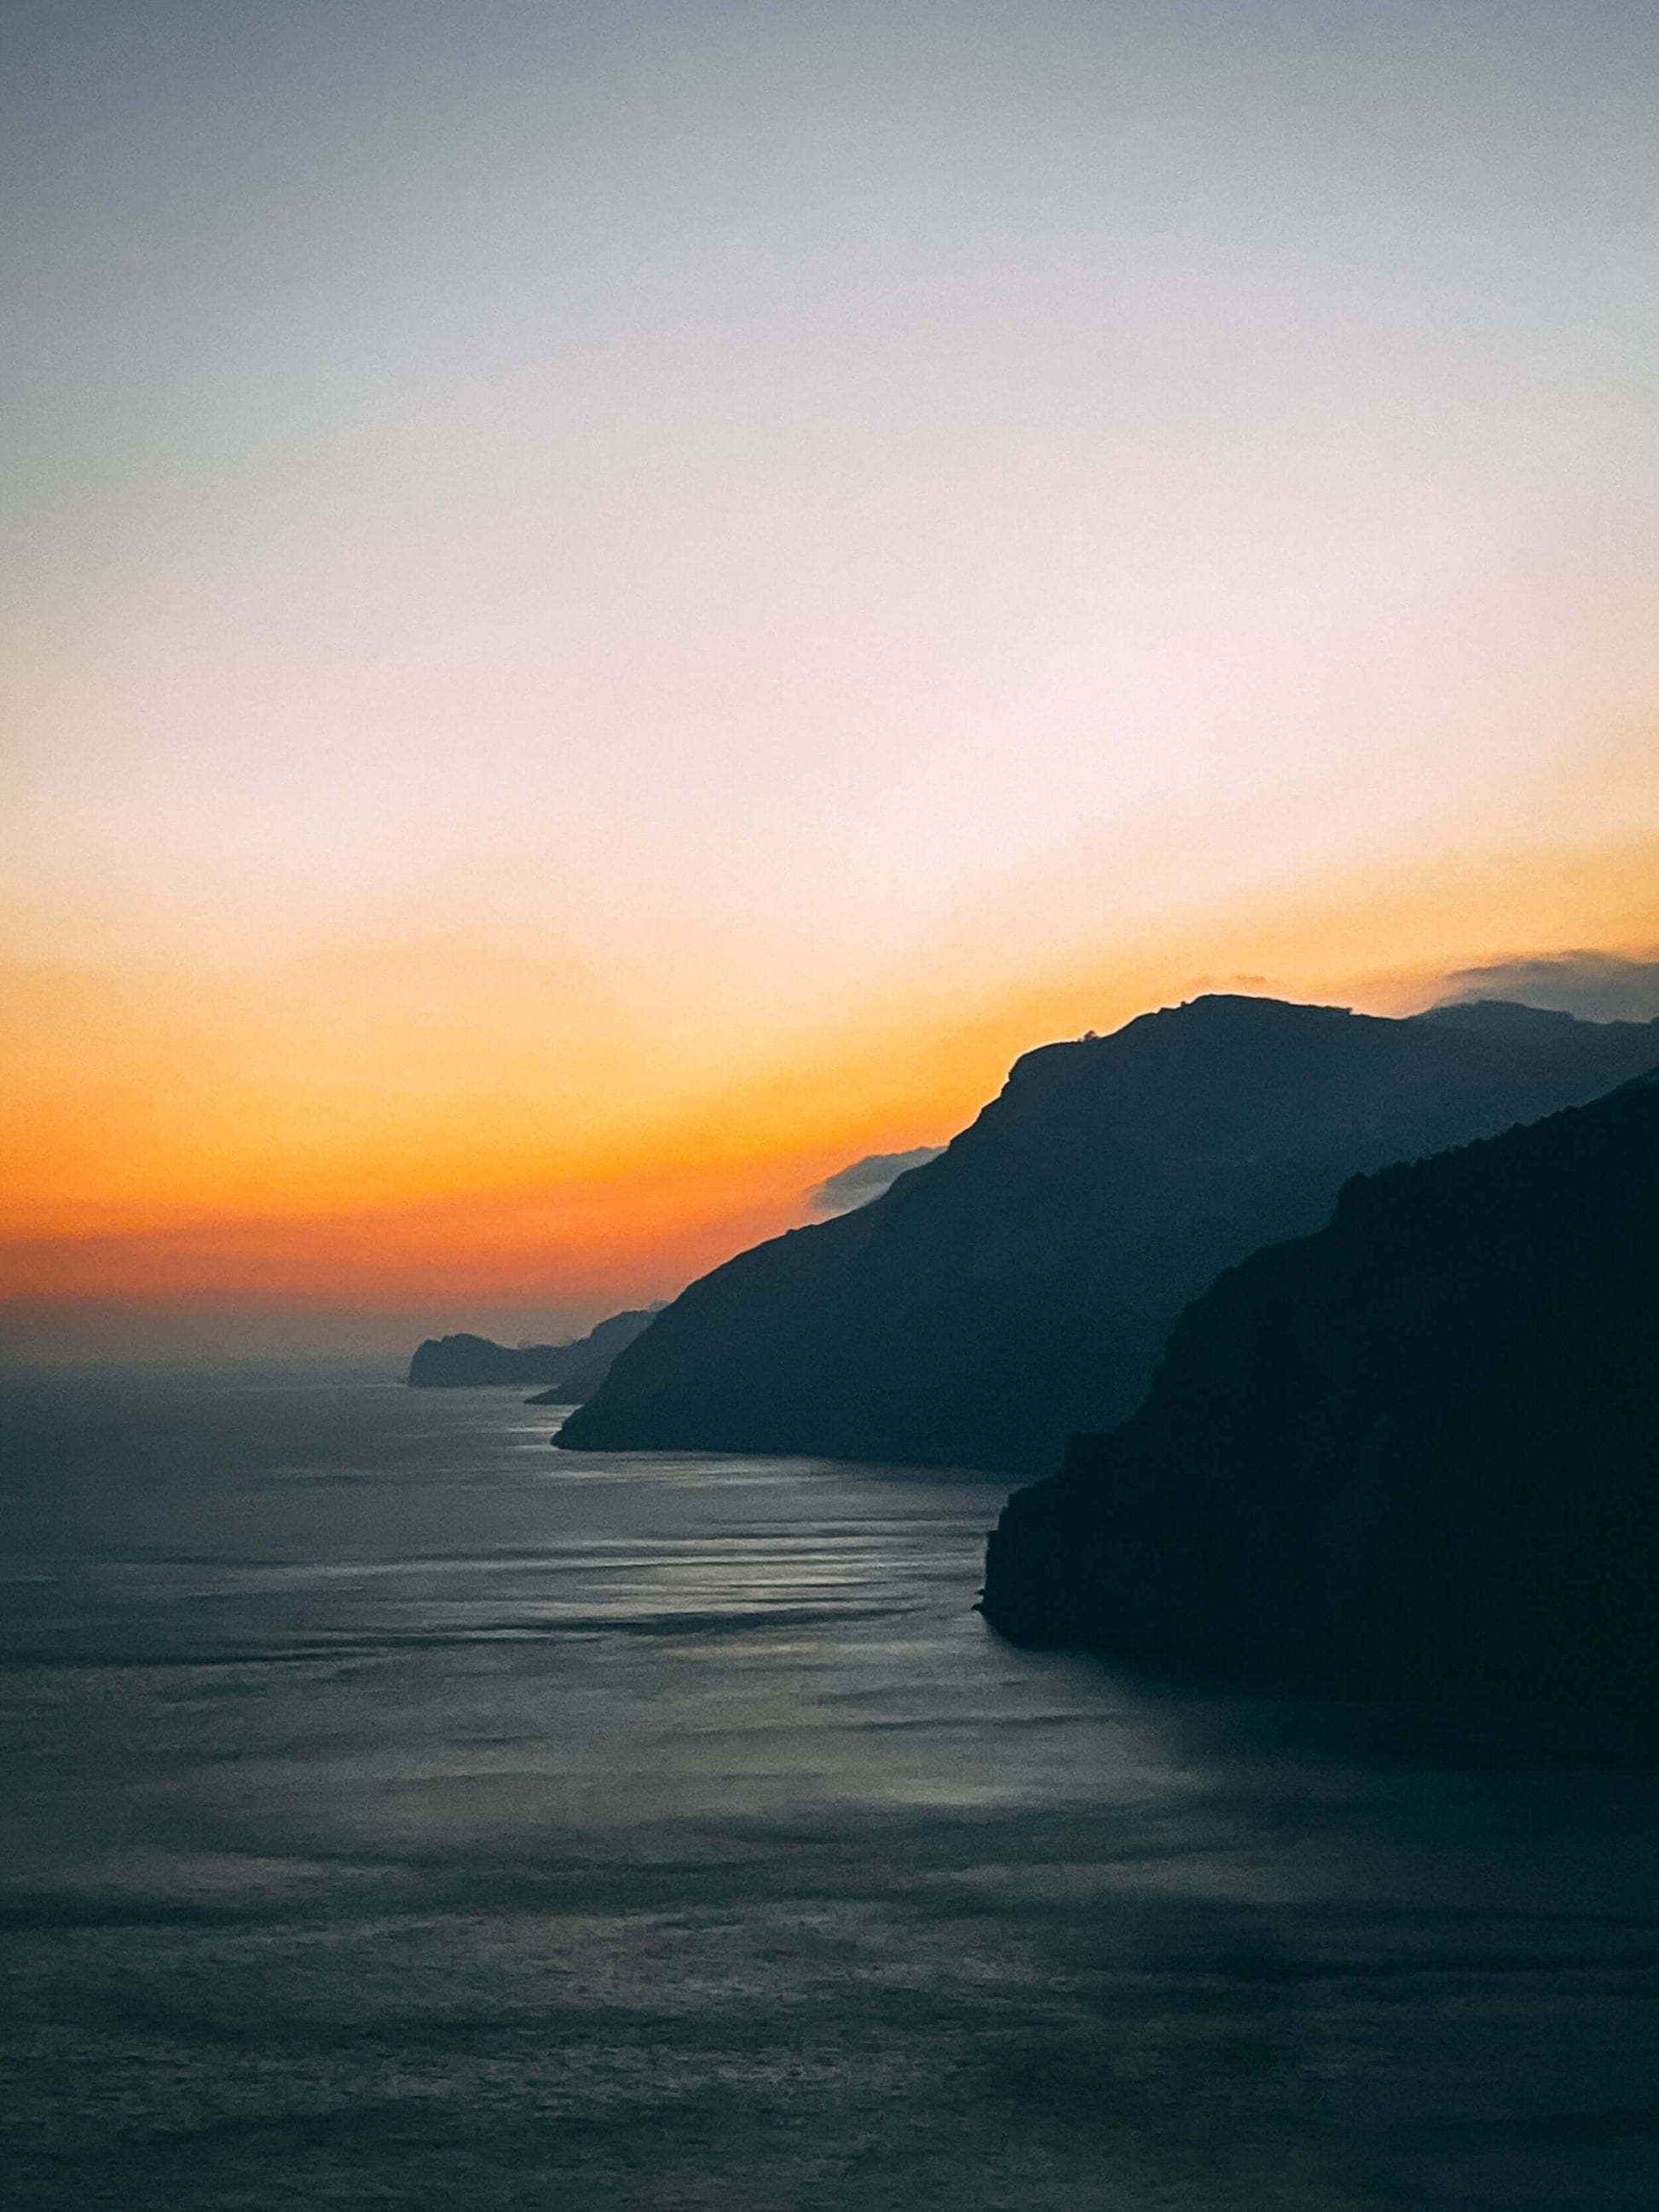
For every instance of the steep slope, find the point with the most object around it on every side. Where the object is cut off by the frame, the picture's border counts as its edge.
(461, 1362)
(1022, 1285)
(1421, 1447)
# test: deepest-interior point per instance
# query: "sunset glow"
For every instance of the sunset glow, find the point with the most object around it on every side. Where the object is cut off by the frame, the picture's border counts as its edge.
(612, 608)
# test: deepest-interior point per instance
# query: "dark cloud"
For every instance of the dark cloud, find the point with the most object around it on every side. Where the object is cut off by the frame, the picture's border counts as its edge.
(867, 1178)
(1598, 986)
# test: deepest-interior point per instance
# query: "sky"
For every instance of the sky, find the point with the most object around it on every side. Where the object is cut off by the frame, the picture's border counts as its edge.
(610, 607)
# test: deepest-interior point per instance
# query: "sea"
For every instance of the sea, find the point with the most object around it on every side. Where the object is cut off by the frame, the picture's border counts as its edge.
(397, 1812)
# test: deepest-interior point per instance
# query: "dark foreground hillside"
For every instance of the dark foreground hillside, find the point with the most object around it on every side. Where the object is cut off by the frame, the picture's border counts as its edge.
(1420, 1448)
(1022, 1285)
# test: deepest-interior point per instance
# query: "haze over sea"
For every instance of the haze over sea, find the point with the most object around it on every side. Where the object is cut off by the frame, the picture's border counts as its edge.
(400, 1813)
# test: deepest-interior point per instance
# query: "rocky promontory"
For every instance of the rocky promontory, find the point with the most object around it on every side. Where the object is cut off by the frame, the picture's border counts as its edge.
(571, 1370)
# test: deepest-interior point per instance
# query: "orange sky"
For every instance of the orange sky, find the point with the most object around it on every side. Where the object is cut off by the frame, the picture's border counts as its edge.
(616, 607)
(432, 1165)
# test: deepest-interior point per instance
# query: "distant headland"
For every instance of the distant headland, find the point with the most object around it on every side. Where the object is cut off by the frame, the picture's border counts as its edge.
(571, 1371)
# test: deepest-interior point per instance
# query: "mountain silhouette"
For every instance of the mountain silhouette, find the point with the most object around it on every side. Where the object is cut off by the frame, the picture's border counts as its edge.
(1021, 1285)
(1418, 1449)
(461, 1362)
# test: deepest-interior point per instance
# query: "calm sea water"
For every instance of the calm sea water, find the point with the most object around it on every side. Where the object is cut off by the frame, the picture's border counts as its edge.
(398, 1813)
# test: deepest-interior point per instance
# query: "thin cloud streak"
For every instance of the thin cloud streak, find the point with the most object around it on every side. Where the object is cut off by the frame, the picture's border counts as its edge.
(868, 1178)
(1597, 986)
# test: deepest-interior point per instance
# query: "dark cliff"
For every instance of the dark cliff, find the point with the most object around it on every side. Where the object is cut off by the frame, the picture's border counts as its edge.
(1419, 1448)
(1022, 1285)
(450, 1363)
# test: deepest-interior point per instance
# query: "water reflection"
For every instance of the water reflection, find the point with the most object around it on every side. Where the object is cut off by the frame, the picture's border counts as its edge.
(400, 1812)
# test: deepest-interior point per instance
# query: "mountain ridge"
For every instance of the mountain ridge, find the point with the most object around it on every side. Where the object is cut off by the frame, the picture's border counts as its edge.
(1021, 1285)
